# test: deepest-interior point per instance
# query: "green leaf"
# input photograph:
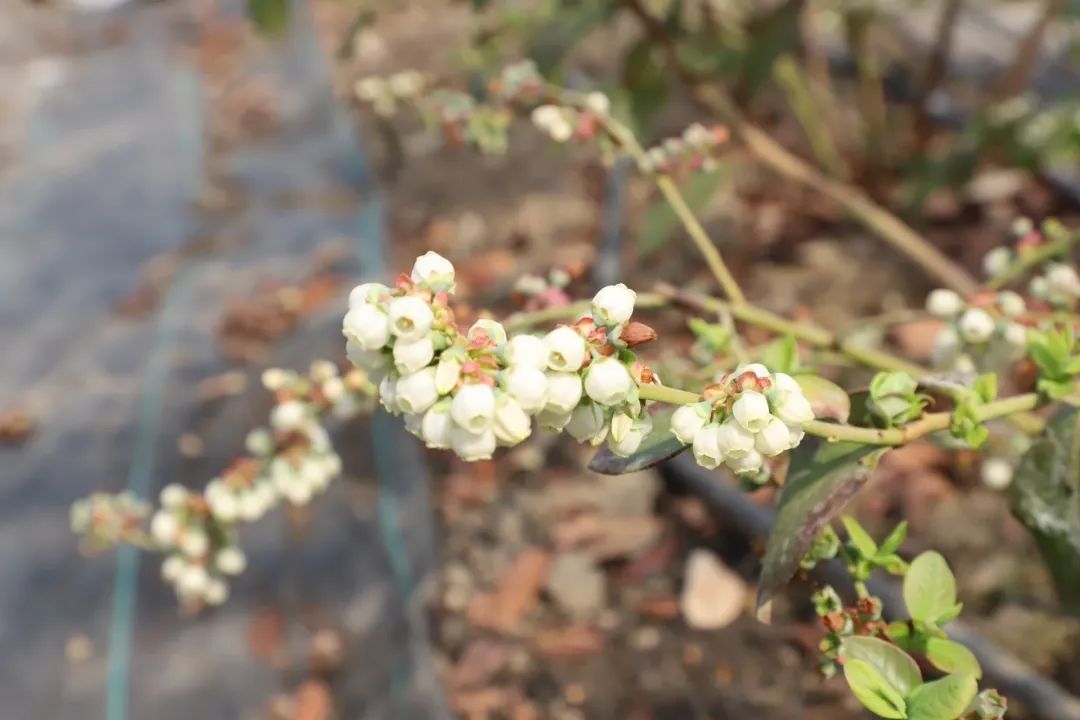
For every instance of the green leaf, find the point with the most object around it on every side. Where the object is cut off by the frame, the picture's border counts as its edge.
(895, 539)
(859, 537)
(827, 399)
(659, 446)
(780, 355)
(985, 386)
(894, 664)
(1046, 498)
(873, 690)
(821, 479)
(929, 588)
(660, 220)
(944, 699)
(951, 657)
(271, 17)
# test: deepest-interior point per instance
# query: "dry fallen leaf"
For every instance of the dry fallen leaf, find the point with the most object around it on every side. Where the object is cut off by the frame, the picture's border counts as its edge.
(313, 701)
(515, 594)
(713, 596)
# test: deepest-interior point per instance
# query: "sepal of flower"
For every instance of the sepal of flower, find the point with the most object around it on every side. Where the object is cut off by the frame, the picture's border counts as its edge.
(748, 416)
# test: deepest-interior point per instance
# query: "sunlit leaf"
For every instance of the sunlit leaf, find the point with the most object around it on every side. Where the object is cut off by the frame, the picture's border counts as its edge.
(894, 664)
(944, 699)
(929, 588)
(951, 657)
(873, 690)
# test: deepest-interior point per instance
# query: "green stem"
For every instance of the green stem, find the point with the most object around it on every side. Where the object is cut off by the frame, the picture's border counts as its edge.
(1033, 259)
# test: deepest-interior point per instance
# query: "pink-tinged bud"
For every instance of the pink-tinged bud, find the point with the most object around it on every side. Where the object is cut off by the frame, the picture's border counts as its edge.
(637, 333)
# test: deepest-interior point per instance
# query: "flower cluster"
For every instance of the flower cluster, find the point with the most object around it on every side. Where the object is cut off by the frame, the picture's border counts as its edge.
(695, 150)
(518, 82)
(106, 519)
(563, 124)
(474, 390)
(1059, 286)
(987, 329)
(384, 93)
(199, 550)
(749, 415)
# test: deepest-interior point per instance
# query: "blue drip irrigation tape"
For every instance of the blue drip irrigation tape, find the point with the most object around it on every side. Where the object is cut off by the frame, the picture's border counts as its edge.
(151, 402)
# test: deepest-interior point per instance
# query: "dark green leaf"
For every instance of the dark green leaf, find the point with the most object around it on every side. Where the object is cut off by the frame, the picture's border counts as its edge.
(821, 479)
(929, 588)
(893, 663)
(944, 699)
(1046, 498)
(659, 446)
(859, 537)
(660, 220)
(951, 657)
(827, 399)
(873, 690)
(271, 17)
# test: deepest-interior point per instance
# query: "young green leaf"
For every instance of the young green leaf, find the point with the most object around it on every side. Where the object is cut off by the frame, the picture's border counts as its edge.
(930, 589)
(951, 657)
(780, 355)
(859, 537)
(894, 539)
(893, 663)
(873, 690)
(944, 699)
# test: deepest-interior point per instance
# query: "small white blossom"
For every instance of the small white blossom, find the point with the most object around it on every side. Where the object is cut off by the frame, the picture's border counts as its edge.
(1062, 280)
(511, 424)
(231, 560)
(608, 382)
(944, 303)
(631, 440)
(997, 261)
(529, 386)
(373, 362)
(527, 350)
(216, 592)
(433, 269)
(164, 527)
(751, 409)
(173, 496)
(492, 328)
(1016, 335)
(997, 473)
(566, 349)
(564, 391)
(222, 501)
(472, 446)
(436, 427)
(1011, 303)
(417, 392)
(192, 580)
(773, 439)
(793, 409)
(412, 422)
(613, 305)
(288, 415)
(193, 542)
(171, 567)
(414, 355)
(554, 419)
(598, 103)
(368, 326)
(707, 450)
(687, 420)
(747, 464)
(274, 379)
(366, 293)
(587, 423)
(473, 408)
(976, 326)
(734, 440)
(783, 381)
(946, 348)
(410, 318)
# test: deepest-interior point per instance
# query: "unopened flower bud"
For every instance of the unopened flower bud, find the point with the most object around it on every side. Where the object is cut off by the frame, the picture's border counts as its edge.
(631, 440)
(527, 350)
(1011, 303)
(598, 103)
(411, 356)
(688, 420)
(1016, 335)
(173, 496)
(608, 382)
(734, 440)
(447, 374)
(529, 386)
(1062, 280)
(758, 369)
(434, 270)
(288, 415)
(472, 446)
(368, 326)
(587, 423)
(415, 393)
(410, 318)
(366, 293)
(997, 261)
(192, 580)
(491, 328)
(216, 592)
(566, 349)
(944, 303)
(772, 439)
(511, 424)
(164, 528)
(564, 391)
(171, 567)
(751, 409)
(473, 408)
(976, 326)
(613, 305)
(997, 473)
(231, 560)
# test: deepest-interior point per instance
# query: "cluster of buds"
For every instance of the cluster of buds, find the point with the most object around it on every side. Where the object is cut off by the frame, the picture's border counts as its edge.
(199, 550)
(749, 415)
(695, 150)
(471, 391)
(563, 124)
(106, 520)
(839, 622)
(986, 330)
(518, 82)
(1059, 286)
(384, 93)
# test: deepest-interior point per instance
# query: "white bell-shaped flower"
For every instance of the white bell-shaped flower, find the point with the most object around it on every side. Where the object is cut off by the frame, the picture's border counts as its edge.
(472, 446)
(751, 409)
(758, 369)
(231, 560)
(192, 581)
(528, 350)
(436, 427)
(368, 326)
(367, 293)
(434, 270)
(793, 409)
(529, 386)
(553, 419)
(706, 448)
(473, 407)
(566, 349)
(564, 391)
(171, 567)
(1016, 335)
(687, 420)
(587, 423)
(944, 303)
(773, 439)
(748, 464)
(411, 356)
(370, 361)
(416, 393)
(996, 261)
(164, 527)
(194, 542)
(631, 440)
(216, 592)
(410, 318)
(173, 496)
(608, 382)
(511, 424)
(976, 326)
(288, 415)
(733, 439)
(1012, 303)
(613, 305)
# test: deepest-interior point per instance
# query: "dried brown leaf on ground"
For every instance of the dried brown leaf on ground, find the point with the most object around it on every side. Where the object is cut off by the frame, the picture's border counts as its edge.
(515, 594)
(16, 426)
(713, 596)
(482, 659)
(313, 701)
